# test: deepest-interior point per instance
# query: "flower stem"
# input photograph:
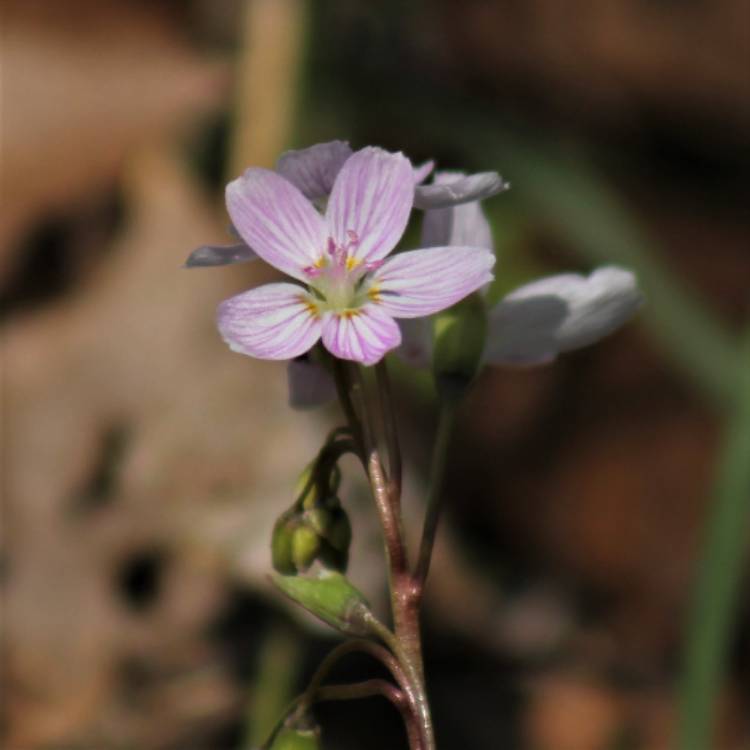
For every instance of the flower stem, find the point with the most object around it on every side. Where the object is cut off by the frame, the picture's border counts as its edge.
(446, 421)
(343, 379)
(405, 641)
(719, 576)
(391, 430)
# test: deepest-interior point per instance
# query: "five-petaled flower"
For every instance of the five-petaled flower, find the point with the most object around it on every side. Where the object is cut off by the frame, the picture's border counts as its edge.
(352, 288)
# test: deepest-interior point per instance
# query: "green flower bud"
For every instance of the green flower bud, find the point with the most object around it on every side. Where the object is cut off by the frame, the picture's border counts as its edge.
(311, 498)
(297, 739)
(281, 544)
(332, 598)
(319, 519)
(459, 337)
(305, 547)
(340, 531)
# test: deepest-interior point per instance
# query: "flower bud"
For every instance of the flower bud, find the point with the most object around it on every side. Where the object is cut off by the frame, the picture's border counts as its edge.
(281, 544)
(339, 533)
(319, 519)
(305, 547)
(297, 739)
(459, 337)
(332, 598)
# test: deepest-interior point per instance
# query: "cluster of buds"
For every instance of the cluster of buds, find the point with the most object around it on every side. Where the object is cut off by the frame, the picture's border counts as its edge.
(315, 529)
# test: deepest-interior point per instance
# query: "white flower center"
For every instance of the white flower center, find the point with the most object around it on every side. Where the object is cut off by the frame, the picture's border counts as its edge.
(339, 279)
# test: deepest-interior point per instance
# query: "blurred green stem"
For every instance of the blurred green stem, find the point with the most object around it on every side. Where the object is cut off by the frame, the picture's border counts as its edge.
(446, 420)
(277, 673)
(719, 576)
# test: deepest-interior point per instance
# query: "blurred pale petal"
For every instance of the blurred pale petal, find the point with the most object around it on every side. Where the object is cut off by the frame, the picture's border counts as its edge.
(365, 335)
(220, 255)
(275, 321)
(537, 321)
(416, 341)
(371, 202)
(473, 187)
(423, 171)
(313, 170)
(276, 220)
(310, 384)
(421, 282)
(464, 224)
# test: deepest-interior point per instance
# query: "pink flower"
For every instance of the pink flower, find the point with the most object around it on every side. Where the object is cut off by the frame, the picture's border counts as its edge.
(350, 289)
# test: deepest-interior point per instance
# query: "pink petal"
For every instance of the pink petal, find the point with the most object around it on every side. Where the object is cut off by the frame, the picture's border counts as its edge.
(372, 198)
(276, 220)
(363, 335)
(313, 170)
(421, 282)
(275, 321)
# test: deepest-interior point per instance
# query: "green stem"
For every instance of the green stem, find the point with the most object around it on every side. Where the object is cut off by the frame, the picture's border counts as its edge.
(391, 430)
(446, 421)
(719, 576)
(415, 689)
(343, 379)
(274, 684)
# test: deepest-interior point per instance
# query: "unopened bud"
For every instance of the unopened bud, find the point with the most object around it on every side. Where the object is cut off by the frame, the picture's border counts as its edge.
(297, 739)
(339, 533)
(305, 547)
(319, 519)
(459, 337)
(281, 545)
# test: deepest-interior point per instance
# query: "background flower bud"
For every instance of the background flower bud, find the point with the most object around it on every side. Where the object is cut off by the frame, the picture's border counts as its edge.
(459, 337)
(297, 739)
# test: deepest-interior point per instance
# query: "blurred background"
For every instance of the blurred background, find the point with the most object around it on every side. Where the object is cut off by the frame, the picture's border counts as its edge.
(144, 463)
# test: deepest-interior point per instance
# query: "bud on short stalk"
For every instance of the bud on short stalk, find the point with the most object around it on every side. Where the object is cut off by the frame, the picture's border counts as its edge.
(297, 739)
(459, 337)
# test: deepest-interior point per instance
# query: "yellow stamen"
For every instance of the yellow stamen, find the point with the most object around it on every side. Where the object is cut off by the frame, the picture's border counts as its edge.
(351, 263)
(310, 306)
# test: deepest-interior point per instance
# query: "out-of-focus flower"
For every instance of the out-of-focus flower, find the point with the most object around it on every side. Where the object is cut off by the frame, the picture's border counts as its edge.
(313, 171)
(536, 322)
(352, 291)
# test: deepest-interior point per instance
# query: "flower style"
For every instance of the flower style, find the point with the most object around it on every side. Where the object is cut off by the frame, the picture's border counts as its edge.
(352, 290)
(536, 322)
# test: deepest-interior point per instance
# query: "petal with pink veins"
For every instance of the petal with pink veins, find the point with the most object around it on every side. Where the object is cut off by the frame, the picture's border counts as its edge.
(276, 220)
(422, 282)
(363, 335)
(274, 321)
(371, 202)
